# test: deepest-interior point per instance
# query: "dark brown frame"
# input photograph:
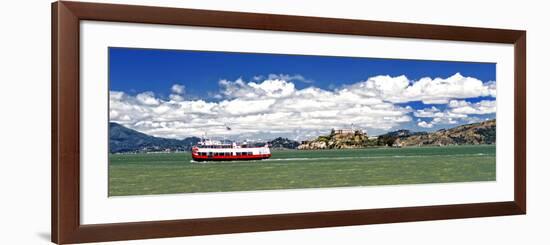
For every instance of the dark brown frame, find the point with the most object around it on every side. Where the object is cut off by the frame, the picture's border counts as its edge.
(65, 175)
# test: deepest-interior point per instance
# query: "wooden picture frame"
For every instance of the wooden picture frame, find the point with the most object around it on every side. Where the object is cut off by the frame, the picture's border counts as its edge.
(66, 226)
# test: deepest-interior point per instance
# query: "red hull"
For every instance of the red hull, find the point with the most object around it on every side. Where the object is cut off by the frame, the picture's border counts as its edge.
(230, 158)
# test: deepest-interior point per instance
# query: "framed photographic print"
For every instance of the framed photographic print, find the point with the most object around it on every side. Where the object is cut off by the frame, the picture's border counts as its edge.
(176, 122)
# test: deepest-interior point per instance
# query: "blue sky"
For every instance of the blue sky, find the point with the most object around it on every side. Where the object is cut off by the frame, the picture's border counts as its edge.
(155, 72)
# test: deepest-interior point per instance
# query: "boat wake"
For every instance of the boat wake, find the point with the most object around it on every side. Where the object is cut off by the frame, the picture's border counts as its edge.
(369, 157)
(347, 158)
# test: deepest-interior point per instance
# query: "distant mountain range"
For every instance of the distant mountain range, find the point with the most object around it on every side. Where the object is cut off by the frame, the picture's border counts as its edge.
(123, 139)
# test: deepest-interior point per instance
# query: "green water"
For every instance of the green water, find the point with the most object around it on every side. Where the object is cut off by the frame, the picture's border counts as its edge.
(163, 173)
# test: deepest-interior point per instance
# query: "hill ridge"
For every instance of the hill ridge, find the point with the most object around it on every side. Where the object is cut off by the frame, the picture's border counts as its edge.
(123, 139)
(473, 134)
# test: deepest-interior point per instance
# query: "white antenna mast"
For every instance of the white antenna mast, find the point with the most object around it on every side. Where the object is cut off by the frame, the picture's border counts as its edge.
(204, 137)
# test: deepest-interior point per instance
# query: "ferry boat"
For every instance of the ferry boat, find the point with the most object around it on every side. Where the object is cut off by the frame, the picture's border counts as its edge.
(213, 150)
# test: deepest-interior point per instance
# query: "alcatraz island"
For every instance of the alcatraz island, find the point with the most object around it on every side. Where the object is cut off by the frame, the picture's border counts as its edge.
(469, 134)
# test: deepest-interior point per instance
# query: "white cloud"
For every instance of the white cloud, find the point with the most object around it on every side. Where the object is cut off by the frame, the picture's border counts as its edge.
(251, 90)
(176, 97)
(241, 107)
(446, 120)
(424, 124)
(428, 112)
(178, 89)
(254, 109)
(289, 78)
(479, 108)
(457, 111)
(148, 98)
(263, 108)
(273, 88)
(430, 91)
(492, 86)
(433, 112)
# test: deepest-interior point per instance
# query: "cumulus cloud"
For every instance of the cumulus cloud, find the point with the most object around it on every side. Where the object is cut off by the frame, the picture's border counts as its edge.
(147, 98)
(178, 89)
(176, 97)
(251, 90)
(274, 106)
(430, 91)
(438, 117)
(479, 108)
(285, 77)
(457, 111)
(290, 78)
(255, 108)
(424, 124)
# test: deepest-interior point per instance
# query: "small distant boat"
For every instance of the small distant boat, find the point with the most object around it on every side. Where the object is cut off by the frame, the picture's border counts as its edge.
(213, 150)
